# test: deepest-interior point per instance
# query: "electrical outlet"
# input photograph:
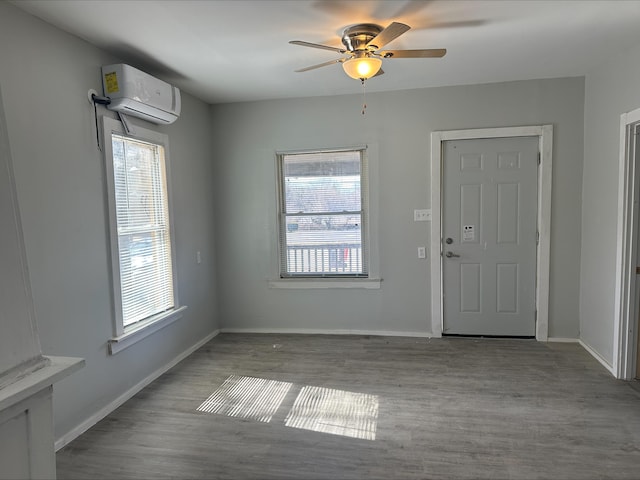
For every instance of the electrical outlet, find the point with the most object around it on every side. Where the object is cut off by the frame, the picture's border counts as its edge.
(422, 252)
(198, 257)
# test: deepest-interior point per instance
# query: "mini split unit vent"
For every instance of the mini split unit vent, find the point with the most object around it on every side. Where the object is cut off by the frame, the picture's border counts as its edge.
(140, 95)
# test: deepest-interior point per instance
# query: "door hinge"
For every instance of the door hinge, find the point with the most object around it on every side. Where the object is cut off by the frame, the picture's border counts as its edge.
(537, 238)
(539, 158)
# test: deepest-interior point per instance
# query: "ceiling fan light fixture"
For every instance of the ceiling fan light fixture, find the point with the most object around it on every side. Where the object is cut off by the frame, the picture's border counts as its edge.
(362, 67)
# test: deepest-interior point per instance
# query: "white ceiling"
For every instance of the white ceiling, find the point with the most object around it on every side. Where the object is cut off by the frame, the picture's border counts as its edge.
(238, 50)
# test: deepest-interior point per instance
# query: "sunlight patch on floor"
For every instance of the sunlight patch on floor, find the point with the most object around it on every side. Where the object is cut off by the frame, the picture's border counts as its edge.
(336, 412)
(247, 397)
(319, 409)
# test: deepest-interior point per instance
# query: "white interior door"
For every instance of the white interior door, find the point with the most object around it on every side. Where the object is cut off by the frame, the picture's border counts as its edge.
(489, 230)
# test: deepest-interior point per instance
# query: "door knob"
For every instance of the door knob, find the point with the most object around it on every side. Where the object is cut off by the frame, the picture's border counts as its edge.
(451, 255)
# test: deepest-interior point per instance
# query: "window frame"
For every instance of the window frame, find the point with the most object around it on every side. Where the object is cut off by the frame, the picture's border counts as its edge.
(321, 280)
(124, 336)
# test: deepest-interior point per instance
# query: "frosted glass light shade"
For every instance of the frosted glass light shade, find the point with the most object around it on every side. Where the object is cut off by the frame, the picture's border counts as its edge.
(362, 67)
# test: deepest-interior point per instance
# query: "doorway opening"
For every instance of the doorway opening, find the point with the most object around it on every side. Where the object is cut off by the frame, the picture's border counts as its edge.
(544, 134)
(626, 351)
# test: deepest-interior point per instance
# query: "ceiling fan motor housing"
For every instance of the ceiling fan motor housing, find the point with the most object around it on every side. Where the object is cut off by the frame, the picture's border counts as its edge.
(358, 36)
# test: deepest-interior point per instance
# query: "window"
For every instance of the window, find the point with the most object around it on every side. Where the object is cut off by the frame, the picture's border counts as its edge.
(323, 214)
(141, 239)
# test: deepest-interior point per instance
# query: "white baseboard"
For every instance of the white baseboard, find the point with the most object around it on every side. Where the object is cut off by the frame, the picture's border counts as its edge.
(106, 410)
(598, 357)
(314, 331)
(563, 340)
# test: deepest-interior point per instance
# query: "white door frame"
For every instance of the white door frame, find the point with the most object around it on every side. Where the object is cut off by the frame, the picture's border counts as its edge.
(625, 320)
(545, 135)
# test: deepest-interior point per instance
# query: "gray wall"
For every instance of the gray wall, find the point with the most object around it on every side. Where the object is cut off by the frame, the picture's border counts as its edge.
(398, 125)
(611, 89)
(45, 76)
(19, 343)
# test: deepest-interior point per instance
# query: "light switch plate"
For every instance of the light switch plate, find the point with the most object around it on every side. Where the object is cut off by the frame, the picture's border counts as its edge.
(422, 215)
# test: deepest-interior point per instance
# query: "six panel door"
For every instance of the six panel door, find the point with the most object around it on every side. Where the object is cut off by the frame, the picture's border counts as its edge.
(489, 211)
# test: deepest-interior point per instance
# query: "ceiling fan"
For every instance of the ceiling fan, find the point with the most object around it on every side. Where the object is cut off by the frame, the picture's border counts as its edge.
(363, 44)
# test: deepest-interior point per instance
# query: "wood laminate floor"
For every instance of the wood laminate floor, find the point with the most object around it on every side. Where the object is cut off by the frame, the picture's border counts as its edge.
(399, 408)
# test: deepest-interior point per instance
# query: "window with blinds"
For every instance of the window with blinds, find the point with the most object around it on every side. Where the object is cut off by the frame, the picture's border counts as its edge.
(145, 267)
(323, 212)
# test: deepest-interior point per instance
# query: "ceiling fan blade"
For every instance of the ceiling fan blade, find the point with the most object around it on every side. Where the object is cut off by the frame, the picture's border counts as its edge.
(313, 67)
(426, 53)
(342, 9)
(410, 8)
(390, 33)
(317, 45)
(430, 25)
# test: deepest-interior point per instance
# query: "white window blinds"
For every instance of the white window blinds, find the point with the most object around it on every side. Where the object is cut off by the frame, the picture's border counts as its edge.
(143, 230)
(322, 214)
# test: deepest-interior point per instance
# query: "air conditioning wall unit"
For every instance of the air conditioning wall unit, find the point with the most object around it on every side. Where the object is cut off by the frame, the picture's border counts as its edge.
(138, 94)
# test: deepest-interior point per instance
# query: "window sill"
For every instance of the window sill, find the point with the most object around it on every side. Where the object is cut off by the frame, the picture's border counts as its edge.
(320, 283)
(117, 344)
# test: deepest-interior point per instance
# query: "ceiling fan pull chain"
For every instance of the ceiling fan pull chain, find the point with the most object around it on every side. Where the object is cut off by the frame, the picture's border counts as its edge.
(364, 97)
